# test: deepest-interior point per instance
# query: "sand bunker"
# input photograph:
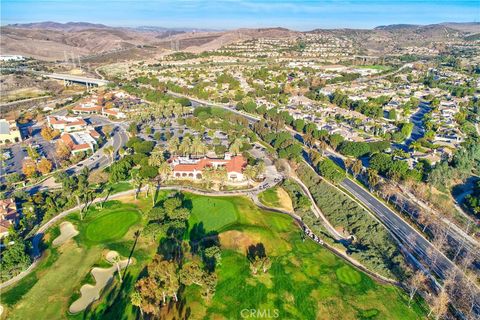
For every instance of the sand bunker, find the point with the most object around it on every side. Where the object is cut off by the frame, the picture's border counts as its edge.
(67, 231)
(90, 293)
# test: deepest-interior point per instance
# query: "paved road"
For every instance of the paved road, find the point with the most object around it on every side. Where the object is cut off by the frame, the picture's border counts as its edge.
(394, 223)
(417, 119)
(198, 102)
(410, 238)
(99, 159)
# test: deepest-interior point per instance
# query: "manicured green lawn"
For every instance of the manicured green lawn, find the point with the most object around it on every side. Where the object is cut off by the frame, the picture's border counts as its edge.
(121, 186)
(348, 275)
(269, 197)
(376, 67)
(48, 291)
(107, 224)
(305, 281)
(111, 226)
(49, 297)
(215, 213)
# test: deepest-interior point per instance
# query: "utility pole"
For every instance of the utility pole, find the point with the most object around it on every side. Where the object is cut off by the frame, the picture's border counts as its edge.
(73, 59)
(65, 55)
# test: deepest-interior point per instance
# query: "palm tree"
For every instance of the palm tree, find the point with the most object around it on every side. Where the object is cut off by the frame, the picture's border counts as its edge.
(185, 146)
(78, 193)
(221, 175)
(116, 260)
(173, 145)
(136, 235)
(109, 151)
(373, 179)
(235, 146)
(121, 152)
(416, 145)
(250, 172)
(108, 189)
(156, 158)
(322, 146)
(137, 181)
(152, 188)
(348, 164)
(164, 170)
(197, 146)
(309, 139)
(357, 168)
(260, 168)
(177, 110)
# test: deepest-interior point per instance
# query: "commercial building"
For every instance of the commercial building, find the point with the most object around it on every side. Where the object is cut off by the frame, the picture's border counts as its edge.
(66, 124)
(87, 108)
(9, 132)
(81, 141)
(113, 112)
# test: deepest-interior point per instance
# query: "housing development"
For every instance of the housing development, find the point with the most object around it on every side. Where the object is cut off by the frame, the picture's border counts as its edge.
(153, 173)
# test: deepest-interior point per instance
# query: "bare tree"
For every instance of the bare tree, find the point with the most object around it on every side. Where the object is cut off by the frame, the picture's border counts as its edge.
(415, 283)
(424, 218)
(439, 304)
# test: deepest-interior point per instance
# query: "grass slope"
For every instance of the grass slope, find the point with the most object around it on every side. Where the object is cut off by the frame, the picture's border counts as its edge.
(305, 281)
(49, 296)
(47, 292)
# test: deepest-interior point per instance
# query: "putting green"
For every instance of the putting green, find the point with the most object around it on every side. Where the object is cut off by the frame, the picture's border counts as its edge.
(111, 226)
(348, 275)
(214, 213)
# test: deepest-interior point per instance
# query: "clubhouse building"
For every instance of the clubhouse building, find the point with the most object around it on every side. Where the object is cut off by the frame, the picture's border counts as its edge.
(193, 169)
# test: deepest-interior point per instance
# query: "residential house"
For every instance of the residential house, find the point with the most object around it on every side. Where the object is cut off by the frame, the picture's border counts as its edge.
(9, 215)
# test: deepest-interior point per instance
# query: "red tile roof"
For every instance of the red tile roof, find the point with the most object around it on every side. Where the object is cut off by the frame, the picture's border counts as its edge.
(8, 210)
(235, 164)
(54, 120)
(67, 139)
(82, 108)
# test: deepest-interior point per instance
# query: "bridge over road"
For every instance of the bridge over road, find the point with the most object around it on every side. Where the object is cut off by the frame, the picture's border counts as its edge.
(67, 78)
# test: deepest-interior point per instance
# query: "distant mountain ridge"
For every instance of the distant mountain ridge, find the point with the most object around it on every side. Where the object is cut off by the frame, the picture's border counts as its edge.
(397, 27)
(58, 26)
(53, 40)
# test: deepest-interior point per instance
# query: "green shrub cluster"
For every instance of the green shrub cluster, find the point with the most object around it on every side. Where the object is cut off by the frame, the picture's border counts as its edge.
(373, 245)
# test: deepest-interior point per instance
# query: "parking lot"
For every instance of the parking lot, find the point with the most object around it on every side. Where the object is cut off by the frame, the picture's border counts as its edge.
(17, 153)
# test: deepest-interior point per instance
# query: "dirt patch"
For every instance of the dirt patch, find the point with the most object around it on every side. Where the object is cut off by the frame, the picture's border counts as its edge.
(237, 240)
(129, 199)
(284, 199)
(67, 232)
(90, 293)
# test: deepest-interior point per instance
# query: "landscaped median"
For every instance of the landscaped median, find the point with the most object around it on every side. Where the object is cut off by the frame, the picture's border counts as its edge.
(372, 242)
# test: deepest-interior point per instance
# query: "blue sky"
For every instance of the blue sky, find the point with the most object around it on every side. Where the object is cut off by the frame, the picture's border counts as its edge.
(229, 14)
